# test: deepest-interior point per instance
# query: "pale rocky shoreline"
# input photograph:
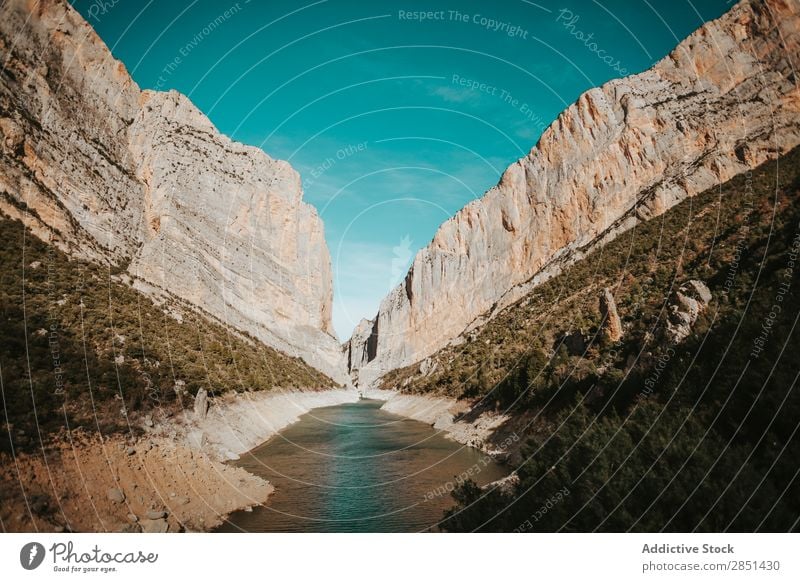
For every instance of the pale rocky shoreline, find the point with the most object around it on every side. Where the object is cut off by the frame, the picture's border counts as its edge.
(237, 423)
(172, 478)
(96, 484)
(176, 476)
(487, 430)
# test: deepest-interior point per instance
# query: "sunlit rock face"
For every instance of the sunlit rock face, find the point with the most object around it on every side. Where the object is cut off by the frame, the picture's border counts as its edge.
(144, 182)
(724, 101)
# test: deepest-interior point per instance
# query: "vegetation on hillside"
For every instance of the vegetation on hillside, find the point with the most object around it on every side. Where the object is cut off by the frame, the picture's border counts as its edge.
(80, 348)
(642, 434)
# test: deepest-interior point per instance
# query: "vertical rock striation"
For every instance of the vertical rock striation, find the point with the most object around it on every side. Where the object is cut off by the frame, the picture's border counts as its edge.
(612, 324)
(724, 101)
(143, 181)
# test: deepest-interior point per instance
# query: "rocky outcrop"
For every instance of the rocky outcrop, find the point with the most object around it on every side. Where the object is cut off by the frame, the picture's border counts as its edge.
(201, 404)
(142, 181)
(724, 101)
(683, 309)
(611, 323)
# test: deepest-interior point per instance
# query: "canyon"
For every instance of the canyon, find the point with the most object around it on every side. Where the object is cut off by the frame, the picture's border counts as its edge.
(150, 188)
(141, 183)
(721, 103)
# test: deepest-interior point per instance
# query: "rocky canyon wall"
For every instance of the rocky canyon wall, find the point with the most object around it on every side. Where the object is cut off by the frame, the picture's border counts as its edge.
(724, 101)
(143, 181)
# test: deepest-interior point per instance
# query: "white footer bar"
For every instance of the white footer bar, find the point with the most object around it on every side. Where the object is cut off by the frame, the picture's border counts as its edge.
(380, 557)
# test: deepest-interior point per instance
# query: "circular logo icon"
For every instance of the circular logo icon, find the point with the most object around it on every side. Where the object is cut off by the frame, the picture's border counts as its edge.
(31, 555)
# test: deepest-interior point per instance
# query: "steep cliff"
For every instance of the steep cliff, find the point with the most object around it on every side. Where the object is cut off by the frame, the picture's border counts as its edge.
(724, 101)
(143, 181)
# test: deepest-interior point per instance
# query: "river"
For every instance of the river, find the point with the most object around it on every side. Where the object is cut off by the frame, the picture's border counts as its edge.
(356, 468)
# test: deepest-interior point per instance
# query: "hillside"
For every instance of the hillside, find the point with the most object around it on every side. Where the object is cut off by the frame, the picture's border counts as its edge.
(81, 348)
(679, 415)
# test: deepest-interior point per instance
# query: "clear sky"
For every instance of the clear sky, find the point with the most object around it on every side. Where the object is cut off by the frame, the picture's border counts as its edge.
(394, 120)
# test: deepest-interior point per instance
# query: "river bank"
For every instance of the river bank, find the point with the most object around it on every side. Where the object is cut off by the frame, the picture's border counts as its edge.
(110, 485)
(175, 476)
(237, 423)
(357, 468)
(470, 423)
(172, 477)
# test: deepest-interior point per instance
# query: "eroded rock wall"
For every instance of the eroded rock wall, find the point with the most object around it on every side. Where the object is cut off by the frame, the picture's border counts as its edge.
(143, 181)
(724, 101)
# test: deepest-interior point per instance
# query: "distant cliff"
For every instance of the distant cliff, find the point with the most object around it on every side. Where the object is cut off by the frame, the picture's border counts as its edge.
(724, 101)
(142, 181)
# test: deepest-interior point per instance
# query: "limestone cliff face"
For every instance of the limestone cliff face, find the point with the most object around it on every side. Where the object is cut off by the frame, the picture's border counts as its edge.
(724, 101)
(224, 226)
(143, 181)
(70, 103)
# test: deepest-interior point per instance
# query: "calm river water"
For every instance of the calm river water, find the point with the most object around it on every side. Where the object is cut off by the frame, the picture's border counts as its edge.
(356, 468)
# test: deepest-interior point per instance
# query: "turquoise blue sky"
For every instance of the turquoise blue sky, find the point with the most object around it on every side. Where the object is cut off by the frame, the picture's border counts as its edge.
(394, 122)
